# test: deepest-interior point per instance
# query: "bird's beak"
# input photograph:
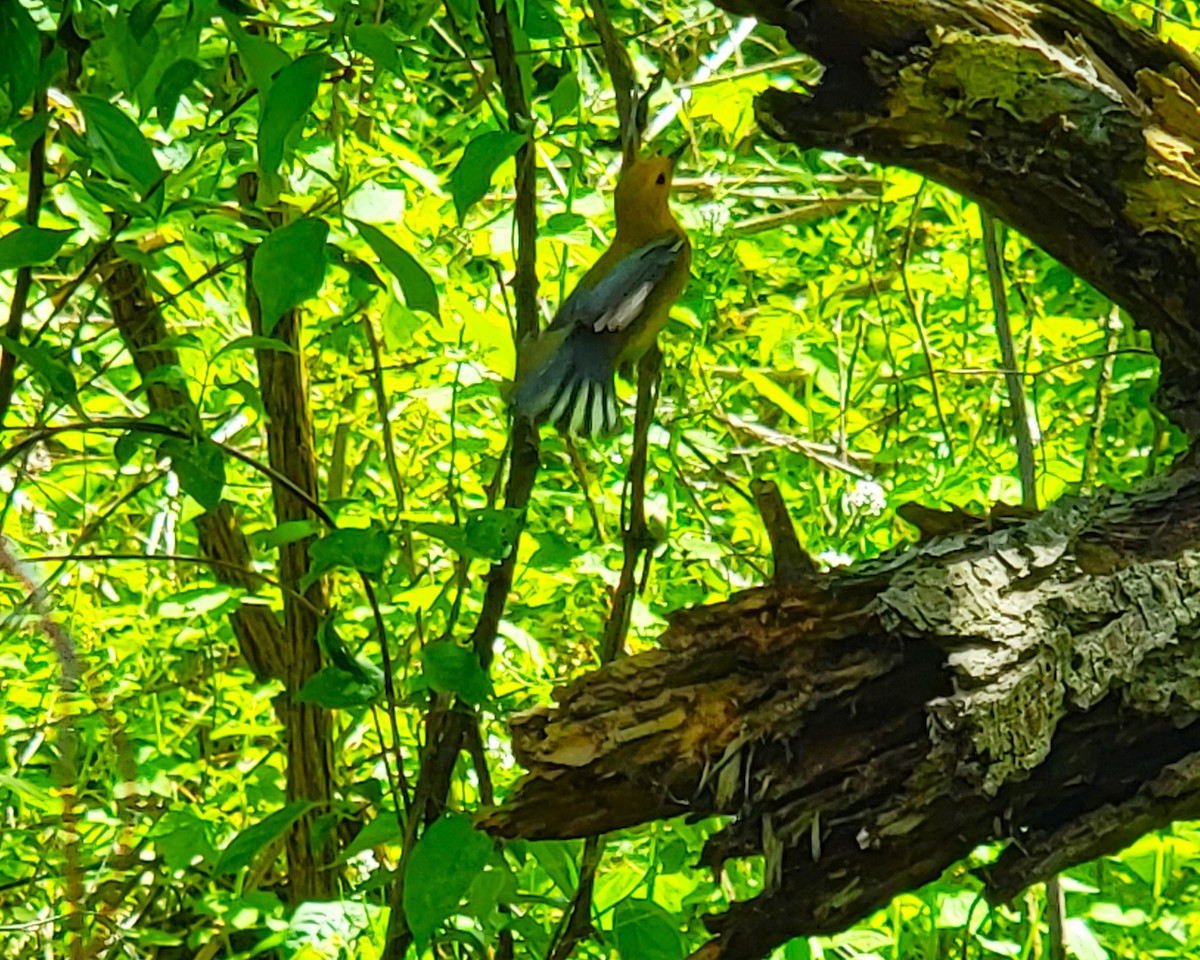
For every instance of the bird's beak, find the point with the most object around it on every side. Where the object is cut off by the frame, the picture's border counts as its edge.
(678, 152)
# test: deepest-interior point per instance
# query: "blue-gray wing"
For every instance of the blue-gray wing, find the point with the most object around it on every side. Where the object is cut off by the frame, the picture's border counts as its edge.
(617, 300)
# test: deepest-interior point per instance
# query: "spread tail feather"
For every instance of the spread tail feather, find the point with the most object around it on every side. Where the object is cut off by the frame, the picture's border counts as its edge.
(574, 394)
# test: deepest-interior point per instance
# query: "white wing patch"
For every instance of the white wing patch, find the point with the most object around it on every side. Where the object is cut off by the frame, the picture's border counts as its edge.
(625, 312)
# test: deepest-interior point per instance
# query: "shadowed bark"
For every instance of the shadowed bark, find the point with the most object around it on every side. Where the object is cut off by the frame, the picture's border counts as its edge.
(1030, 681)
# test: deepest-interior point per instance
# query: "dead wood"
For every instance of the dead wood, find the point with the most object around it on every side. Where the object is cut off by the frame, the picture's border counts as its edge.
(1036, 684)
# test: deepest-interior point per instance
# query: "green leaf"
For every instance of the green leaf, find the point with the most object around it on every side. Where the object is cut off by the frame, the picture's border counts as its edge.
(363, 549)
(472, 176)
(287, 532)
(333, 688)
(38, 799)
(180, 341)
(50, 370)
(494, 885)
(1115, 914)
(644, 929)
(558, 858)
(254, 343)
(242, 849)
(1082, 940)
(564, 98)
(198, 602)
(200, 466)
(797, 949)
(289, 268)
(400, 324)
(26, 133)
(564, 222)
(28, 246)
(175, 79)
(440, 871)
(180, 837)
(450, 668)
(540, 22)
(19, 43)
(142, 17)
(486, 533)
(287, 104)
(374, 40)
(127, 444)
(385, 828)
(417, 286)
(264, 60)
(770, 390)
(121, 143)
(119, 197)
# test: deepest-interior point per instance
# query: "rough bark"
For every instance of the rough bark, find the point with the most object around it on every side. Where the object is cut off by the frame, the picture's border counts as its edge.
(1036, 683)
(143, 329)
(269, 649)
(1067, 122)
(1033, 682)
(283, 380)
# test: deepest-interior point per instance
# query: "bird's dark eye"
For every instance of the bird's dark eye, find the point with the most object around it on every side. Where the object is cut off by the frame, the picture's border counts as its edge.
(662, 178)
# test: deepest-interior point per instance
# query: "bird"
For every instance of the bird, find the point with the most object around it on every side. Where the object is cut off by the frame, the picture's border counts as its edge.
(565, 374)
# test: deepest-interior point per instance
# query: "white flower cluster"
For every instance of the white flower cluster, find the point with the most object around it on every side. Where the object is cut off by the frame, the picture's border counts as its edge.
(867, 497)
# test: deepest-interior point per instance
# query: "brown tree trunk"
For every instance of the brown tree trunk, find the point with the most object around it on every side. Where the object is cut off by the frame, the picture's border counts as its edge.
(290, 653)
(142, 327)
(283, 380)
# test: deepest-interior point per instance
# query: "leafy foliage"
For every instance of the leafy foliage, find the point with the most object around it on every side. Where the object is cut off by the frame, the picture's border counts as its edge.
(837, 336)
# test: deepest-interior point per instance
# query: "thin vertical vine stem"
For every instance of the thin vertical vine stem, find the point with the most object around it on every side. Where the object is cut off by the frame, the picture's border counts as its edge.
(1008, 354)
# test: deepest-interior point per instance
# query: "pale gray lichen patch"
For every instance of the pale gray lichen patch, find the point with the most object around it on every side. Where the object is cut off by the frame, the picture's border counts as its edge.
(1010, 614)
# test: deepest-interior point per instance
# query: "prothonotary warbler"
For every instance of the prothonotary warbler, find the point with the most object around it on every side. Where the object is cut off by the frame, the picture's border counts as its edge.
(565, 374)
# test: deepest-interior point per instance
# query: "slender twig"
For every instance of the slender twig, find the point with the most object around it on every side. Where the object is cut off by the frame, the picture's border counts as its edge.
(577, 922)
(437, 761)
(767, 66)
(24, 280)
(523, 460)
(709, 65)
(1056, 914)
(214, 271)
(1091, 455)
(636, 536)
(1008, 353)
(389, 687)
(579, 467)
(406, 545)
(919, 321)
(459, 44)
(41, 434)
(624, 83)
(71, 677)
(385, 423)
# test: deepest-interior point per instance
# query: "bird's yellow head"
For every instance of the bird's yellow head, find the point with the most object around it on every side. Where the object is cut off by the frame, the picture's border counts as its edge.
(642, 208)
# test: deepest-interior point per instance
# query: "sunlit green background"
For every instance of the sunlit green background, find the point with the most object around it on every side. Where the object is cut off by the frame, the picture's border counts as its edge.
(837, 336)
